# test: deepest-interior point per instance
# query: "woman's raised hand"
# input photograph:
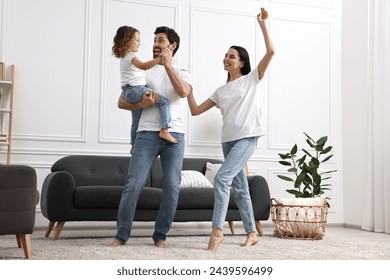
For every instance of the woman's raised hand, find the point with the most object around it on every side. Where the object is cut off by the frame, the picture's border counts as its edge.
(262, 16)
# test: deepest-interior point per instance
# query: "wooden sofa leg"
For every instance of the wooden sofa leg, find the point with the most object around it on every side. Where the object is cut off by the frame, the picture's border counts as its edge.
(259, 228)
(49, 228)
(59, 227)
(231, 226)
(26, 244)
(18, 240)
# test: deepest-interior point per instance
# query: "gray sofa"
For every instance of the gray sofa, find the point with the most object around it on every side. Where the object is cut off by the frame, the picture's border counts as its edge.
(89, 188)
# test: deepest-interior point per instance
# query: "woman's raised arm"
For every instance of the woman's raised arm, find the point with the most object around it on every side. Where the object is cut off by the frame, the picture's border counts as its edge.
(262, 18)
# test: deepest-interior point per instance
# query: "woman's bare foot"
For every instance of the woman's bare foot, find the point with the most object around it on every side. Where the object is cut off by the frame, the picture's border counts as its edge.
(164, 134)
(251, 239)
(116, 243)
(216, 238)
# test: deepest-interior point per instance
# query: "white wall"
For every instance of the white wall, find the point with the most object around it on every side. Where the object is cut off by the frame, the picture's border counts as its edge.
(67, 81)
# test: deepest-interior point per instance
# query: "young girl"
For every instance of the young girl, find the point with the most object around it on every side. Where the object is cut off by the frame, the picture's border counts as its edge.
(132, 69)
(237, 100)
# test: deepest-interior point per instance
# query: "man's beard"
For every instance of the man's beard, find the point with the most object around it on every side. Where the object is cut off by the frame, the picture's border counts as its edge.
(156, 52)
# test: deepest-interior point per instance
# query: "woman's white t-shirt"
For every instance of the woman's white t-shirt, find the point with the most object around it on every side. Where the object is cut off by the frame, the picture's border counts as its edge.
(238, 103)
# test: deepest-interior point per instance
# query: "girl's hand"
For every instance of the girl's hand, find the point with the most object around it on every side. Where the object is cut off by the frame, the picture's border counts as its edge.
(262, 16)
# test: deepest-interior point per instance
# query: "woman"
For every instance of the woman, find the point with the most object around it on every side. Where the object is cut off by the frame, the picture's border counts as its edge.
(241, 128)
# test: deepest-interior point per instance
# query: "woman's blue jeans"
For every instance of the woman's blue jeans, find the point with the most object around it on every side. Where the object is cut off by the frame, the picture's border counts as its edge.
(232, 173)
(148, 146)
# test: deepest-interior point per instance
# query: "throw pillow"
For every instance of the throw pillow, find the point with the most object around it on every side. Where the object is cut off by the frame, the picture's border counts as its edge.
(211, 170)
(194, 179)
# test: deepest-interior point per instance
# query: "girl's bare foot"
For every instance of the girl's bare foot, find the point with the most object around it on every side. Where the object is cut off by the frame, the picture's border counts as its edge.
(164, 134)
(216, 238)
(251, 239)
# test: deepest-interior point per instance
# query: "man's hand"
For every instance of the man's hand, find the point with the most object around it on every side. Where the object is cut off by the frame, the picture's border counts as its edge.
(166, 57)
(148, 99)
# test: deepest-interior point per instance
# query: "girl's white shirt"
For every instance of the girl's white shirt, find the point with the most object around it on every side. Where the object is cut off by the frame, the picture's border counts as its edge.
(130, 74)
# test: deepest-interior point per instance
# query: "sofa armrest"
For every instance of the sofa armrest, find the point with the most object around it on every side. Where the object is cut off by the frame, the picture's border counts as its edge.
(57, 195)
(260, 195)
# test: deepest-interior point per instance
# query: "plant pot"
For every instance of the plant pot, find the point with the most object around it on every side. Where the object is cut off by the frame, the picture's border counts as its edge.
(299, 218)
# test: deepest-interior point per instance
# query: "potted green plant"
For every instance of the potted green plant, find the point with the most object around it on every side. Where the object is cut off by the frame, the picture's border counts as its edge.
(305, 216)
(308, 181)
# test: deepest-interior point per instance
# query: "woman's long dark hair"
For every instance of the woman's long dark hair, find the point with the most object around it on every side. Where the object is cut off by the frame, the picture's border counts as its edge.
(244, 57)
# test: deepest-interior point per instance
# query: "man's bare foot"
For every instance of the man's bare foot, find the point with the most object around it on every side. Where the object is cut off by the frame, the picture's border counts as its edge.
(116, 243)
(160, 244)
(251, 239)
(164, 134)
(216, 238)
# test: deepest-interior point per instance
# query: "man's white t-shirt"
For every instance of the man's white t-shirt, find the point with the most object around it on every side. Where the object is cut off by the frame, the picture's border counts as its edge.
(157, 79)
(237, 101)
(130, 74)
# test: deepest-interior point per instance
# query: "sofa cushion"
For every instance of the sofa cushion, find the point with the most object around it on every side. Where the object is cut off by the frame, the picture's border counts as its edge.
(97, 196)
(149, 198)
(200, 198)
(110, 196)
(95, 170)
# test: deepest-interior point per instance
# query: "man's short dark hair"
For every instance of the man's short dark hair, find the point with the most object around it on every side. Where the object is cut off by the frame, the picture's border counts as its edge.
(172, 36)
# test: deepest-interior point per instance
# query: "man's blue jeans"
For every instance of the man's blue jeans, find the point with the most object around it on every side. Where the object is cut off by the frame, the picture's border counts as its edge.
(232, 173)
(148, 146)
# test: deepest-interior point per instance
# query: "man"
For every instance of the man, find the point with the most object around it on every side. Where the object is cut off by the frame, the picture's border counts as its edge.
(173, 84)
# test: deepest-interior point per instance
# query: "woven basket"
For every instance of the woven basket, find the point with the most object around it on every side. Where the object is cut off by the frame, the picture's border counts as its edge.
(299, 221)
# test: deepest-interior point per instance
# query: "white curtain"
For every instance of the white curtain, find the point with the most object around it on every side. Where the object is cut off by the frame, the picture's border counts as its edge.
(377, 205)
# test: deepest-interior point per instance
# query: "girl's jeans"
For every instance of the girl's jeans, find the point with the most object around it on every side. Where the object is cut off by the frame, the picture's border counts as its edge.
(133, 94)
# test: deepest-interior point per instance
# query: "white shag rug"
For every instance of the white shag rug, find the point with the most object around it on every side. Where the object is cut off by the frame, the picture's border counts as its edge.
(333, 246)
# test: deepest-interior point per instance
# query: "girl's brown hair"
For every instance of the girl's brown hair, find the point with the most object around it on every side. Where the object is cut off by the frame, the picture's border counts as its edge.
(122, 39)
